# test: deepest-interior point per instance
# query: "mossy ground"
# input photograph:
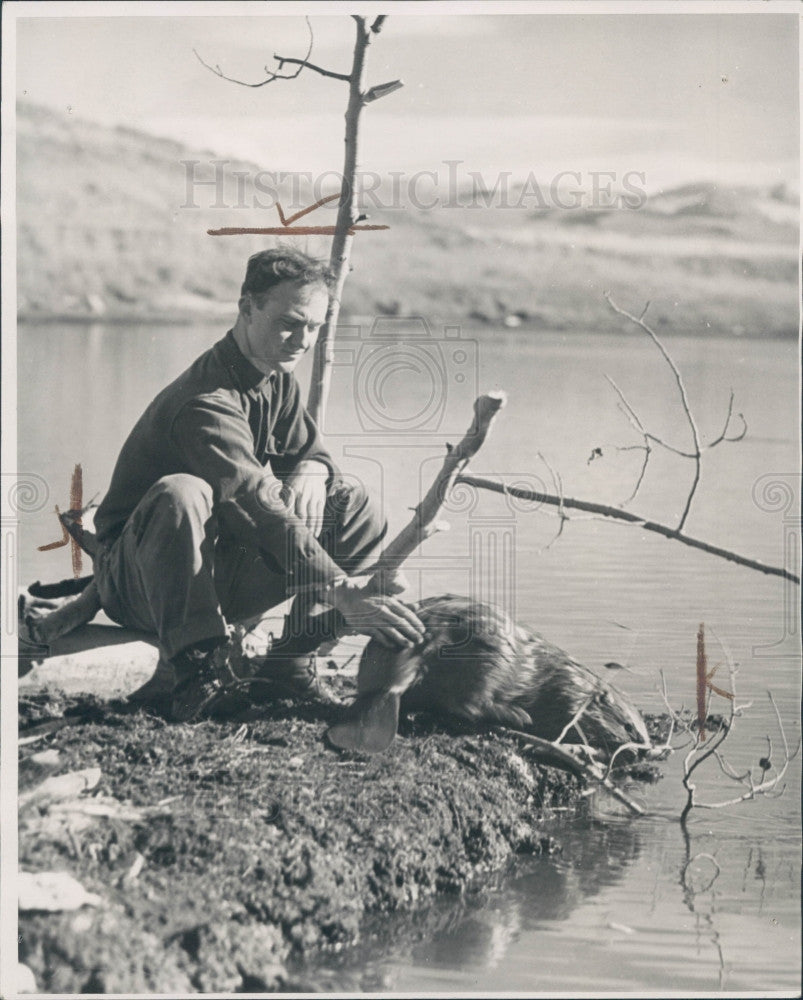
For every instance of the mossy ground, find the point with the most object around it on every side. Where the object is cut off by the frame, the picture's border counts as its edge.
(270, 848)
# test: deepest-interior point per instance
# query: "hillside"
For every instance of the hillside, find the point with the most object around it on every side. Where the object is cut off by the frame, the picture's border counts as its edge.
(108, 226)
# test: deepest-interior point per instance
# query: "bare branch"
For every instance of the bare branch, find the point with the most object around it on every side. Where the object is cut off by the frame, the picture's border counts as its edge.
(629, 411)
(638, 320)
(754, 787)
(376, 27)
(289, 220)
(617, 514)
(382, 90)
(649, 438)
(281, 60)
(563, 517)
(637, 424)
(570, 757)
(340, 251)
(724, 435)
(304, 63)
(574, 719)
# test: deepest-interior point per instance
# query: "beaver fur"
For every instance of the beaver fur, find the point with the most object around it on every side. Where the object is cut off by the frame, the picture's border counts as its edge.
(478, 664)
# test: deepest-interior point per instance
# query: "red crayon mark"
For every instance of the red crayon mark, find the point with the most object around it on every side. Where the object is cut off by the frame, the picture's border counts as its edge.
(56, 545)
(701, 681)
(704, 682)
(289, 231)
(288, 228)
(304, 211)
(76, 499)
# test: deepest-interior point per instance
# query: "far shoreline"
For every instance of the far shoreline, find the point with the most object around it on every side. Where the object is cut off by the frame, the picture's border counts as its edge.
(209, 319)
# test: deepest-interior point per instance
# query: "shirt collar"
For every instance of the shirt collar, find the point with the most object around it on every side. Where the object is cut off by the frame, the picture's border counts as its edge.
(241, 369)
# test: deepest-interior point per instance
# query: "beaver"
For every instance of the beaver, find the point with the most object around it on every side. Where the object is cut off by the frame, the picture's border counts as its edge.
(478, 664)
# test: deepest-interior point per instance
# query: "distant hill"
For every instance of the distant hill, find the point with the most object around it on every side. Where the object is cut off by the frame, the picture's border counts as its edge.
(111, 225)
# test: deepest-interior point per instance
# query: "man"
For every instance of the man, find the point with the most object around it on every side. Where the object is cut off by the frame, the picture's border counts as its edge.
(224, 502)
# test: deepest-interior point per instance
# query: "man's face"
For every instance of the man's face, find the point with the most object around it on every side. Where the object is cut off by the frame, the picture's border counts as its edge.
(279, 334)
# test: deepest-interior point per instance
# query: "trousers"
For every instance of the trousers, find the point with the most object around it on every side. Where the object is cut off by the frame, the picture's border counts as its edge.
(176, 571)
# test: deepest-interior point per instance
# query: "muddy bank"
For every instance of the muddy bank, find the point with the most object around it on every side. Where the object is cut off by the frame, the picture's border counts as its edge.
(263, 846)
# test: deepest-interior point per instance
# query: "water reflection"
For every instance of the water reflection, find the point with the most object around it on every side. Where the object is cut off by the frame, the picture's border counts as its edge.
(594, 856)
(475, 933)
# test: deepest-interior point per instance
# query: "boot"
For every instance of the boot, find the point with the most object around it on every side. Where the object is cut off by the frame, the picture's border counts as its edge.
(290, 669)
(291, 676)
(210, 681)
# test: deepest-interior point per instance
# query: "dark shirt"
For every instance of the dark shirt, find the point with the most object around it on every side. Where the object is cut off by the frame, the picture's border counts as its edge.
(241, 432)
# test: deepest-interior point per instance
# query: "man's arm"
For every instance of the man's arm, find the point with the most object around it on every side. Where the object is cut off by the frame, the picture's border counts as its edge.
(214, 442)
(303, 460)
(305, 493)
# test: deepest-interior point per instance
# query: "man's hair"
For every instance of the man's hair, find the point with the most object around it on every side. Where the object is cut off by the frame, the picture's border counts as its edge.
(269, 268)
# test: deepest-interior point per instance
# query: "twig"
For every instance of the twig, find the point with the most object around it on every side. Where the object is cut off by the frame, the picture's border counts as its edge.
(637, 425)
(639, 321)
(574, 719)
(697, 756)
(589, 769)
(764, 787)
(305, 63)
(724, 435)
(616, 513)
(563, 517)
(281, 60)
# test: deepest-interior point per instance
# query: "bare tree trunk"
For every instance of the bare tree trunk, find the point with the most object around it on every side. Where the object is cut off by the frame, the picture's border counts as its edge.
(346, 218)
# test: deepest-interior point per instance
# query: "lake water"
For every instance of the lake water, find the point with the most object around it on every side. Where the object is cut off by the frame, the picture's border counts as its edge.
(612, 912)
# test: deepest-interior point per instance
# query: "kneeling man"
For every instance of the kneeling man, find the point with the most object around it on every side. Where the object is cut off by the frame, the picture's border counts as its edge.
(224, 502)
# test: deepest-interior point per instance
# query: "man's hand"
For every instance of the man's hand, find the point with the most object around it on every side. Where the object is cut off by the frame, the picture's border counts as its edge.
(305, 493)
(381, 616)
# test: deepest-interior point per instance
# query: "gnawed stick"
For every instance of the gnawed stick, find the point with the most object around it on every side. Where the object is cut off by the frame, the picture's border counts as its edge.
(370, 726)
(424, 520)
(46, 628)
(561, 756)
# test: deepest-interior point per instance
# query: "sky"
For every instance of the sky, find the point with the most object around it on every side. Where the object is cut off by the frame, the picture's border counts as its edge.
(674, 96)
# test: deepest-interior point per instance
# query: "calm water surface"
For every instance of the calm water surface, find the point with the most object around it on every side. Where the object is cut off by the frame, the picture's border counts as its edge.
(612, 912)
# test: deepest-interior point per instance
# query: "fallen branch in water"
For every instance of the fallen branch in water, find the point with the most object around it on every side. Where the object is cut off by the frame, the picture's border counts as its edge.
(626, 516)
(649, 439)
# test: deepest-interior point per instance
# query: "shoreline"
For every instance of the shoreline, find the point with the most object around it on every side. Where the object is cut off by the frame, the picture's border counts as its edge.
(241, 855)
(530, 327)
